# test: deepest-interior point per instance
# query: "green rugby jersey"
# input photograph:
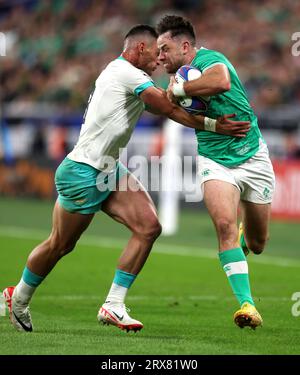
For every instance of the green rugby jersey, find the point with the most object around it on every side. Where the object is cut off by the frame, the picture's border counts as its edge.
(224, 149)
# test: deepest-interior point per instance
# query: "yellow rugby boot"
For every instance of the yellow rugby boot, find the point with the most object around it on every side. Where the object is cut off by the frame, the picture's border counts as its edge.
(247, 316)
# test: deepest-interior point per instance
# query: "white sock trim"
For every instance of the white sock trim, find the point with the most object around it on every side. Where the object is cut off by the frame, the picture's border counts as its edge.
(236, 268)
(117, 294)
(24, 292)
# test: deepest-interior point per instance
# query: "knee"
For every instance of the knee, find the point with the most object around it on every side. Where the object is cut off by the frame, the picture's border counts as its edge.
(226, 229)
(156, 229)
(257, 245)
(60, 246)
(150, 228)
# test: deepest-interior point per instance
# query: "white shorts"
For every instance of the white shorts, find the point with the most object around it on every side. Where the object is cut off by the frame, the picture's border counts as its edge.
(255, 178)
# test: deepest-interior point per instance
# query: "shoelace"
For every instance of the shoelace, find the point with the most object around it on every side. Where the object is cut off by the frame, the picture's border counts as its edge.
(123, 306)
(127, 309)
(24, 314)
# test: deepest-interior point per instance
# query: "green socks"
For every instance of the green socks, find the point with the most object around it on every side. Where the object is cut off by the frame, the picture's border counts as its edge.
(236, 267)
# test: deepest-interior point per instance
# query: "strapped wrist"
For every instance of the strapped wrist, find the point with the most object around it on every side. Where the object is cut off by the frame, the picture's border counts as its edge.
(210, 124)
(178, 89)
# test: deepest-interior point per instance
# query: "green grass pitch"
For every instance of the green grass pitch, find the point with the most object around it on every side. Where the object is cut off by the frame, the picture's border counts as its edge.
(182, 295)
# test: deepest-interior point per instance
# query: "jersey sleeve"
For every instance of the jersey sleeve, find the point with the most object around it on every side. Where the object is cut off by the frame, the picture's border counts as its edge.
(136, 81)
(209, 59)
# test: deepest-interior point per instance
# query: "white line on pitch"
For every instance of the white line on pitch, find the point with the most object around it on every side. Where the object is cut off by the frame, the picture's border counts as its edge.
(156, 298)
(92, 240)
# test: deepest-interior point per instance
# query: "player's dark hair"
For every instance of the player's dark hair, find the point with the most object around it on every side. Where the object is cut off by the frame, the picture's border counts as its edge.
(176, 25)
(142, 29)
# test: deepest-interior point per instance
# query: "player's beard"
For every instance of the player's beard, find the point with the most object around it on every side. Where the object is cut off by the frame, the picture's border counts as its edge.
(170, 68)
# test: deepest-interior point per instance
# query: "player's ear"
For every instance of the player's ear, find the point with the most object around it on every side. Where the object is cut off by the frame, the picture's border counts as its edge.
(141, 47)
(185, 46)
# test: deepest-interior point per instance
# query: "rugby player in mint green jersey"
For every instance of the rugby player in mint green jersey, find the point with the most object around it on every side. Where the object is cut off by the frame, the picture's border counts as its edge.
(232, 171)
(86, 178)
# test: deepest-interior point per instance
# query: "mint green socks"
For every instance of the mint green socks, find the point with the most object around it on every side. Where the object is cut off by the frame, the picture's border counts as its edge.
(27, 286)
(236, 267)
(31, 278)
(123, 278)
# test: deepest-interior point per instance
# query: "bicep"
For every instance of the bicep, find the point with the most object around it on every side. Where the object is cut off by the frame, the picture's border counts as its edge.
(217, 69)
(214, 80)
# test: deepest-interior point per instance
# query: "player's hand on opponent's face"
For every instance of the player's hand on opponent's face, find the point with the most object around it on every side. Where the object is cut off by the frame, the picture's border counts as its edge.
(170, 94)
(234, 128)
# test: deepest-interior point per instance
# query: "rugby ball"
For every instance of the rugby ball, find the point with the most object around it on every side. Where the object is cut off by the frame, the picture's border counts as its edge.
(192, 104)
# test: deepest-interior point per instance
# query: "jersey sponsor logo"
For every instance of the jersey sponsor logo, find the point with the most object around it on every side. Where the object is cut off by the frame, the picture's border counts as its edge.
(243, 150)
(80, 201)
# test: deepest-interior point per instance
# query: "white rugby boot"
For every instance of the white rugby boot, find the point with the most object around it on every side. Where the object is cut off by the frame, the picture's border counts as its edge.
(117, 315)
(19, 313)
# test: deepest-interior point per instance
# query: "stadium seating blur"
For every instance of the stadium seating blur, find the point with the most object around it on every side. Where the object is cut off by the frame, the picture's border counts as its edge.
(55, 50)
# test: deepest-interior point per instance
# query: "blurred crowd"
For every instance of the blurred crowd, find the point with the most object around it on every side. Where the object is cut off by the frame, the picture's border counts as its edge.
(56, 49)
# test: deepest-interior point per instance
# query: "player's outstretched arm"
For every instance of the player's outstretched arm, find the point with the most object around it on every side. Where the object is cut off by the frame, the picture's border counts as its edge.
(157, 102)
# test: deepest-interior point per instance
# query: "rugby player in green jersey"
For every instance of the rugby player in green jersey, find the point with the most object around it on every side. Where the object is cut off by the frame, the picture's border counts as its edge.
(232, 171)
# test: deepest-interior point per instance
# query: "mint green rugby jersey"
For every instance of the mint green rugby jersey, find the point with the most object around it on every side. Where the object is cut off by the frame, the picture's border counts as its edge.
(224, 149)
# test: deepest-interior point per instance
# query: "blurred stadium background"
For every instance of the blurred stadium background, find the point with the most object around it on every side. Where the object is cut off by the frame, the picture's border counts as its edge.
(51, 54)
(56, 49)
